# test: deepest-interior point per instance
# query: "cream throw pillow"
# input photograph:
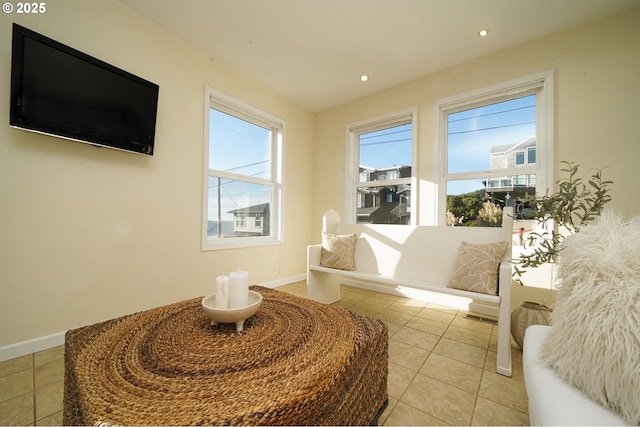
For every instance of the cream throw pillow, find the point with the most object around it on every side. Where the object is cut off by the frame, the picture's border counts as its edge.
(594, 342)
(476, 267)
(338, 251)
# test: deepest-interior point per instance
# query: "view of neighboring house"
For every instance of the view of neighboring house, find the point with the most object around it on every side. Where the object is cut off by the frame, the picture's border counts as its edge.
(522, 153)
(382, 201)
(251, 221)
(384, 204)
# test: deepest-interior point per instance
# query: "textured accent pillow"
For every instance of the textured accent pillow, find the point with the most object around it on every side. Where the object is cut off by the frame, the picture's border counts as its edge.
(476, 267)
(338, 251)
(594, 342)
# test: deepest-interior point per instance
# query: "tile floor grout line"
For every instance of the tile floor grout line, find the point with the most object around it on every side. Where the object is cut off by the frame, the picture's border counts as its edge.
(482, 370)
(33, 387)
(417, 372)
(473, 411)
(482, 374)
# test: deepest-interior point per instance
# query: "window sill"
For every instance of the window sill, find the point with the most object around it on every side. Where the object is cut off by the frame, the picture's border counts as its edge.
(214, 244)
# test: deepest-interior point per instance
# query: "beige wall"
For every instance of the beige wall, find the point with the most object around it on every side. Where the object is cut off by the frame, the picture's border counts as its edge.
(596, 69)
(89, 234)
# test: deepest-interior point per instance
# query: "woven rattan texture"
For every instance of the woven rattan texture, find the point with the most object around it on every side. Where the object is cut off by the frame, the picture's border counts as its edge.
(297, 362)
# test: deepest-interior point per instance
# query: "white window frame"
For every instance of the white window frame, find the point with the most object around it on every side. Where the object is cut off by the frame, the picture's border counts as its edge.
(225, 103)
(352, 168)
(542, 84)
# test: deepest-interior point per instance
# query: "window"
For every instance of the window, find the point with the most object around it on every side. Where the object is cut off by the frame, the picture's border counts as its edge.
(380, 170)
(531, 156)
(243, 188)
(495, 144)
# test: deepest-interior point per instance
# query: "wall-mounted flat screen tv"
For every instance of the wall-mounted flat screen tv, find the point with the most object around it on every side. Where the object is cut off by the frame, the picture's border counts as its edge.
(60, 91)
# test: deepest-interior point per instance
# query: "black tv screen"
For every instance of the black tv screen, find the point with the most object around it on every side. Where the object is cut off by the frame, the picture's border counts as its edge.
(58, 90)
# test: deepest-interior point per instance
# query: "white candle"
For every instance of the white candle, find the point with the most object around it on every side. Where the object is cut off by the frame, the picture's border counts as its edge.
(238, 289)
(222, 292)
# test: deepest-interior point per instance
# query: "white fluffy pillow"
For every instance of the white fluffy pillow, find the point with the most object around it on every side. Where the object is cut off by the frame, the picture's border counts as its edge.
(594, 343)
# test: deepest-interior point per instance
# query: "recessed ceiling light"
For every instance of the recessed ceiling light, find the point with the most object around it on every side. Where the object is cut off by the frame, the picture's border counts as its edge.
(483, 33)
(364, 77)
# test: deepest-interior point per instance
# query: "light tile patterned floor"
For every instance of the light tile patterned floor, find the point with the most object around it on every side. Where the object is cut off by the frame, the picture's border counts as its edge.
(441, 369)
(441, 364)
(31, 389)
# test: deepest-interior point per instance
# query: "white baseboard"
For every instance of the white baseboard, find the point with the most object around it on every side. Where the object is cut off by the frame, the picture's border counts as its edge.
(284, 281)
(453, 301)
(23, 348)
(31, 346)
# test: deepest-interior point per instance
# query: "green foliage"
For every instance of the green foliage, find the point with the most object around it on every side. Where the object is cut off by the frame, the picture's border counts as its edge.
(561, 214)
(465, 206)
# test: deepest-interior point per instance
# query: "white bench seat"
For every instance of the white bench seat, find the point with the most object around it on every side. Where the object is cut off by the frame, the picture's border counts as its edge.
(553, 402)
(416, 260)
(411, 283)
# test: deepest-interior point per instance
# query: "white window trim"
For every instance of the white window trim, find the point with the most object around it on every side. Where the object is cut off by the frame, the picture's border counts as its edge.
(352, 168)
(252, 114)
(544, 133)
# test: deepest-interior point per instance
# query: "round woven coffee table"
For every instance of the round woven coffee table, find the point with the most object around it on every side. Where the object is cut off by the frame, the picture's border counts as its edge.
(296, 362)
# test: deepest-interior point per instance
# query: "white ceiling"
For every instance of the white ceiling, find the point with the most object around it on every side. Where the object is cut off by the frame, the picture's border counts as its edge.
(313, 52)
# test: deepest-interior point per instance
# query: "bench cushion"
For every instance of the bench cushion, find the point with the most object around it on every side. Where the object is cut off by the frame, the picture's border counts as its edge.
(338, 251)
(476, 267)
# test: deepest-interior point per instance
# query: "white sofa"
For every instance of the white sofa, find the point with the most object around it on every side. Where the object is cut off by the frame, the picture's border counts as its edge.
(551, 400)
(399, 259)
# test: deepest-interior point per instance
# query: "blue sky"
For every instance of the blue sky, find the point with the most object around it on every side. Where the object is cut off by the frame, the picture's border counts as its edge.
(386, 148)
(241, 148)
(472, 133)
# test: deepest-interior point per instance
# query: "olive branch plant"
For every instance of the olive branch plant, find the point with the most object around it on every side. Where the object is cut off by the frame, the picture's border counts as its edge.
(560, 214)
